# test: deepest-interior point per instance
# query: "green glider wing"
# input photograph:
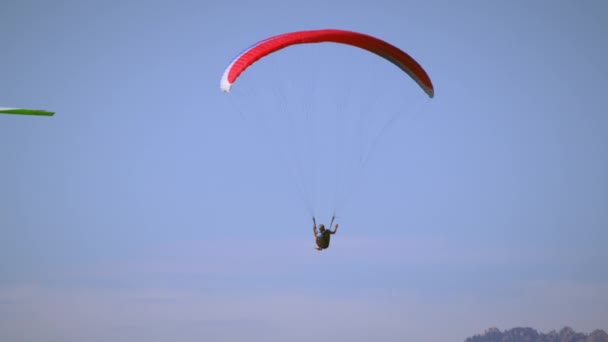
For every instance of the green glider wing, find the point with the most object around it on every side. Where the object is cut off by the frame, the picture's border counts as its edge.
(25, 111)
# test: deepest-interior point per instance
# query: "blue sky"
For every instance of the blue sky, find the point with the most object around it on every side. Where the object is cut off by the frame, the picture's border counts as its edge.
(152, 207)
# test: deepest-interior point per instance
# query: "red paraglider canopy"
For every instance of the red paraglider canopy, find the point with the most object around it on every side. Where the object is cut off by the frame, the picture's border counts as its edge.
(372, 44)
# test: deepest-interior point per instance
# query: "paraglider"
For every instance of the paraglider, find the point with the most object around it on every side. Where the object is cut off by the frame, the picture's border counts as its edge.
(25, 111)
(403, 61)
(323, 237)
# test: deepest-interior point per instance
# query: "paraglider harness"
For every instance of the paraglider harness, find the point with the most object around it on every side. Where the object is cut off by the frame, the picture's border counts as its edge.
(322, 239)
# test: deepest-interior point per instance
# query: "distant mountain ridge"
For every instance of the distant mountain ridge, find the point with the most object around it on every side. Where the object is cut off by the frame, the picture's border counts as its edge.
(520, 334)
